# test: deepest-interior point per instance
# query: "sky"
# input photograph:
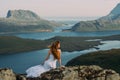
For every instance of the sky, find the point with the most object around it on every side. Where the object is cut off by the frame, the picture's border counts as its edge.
(59, 8)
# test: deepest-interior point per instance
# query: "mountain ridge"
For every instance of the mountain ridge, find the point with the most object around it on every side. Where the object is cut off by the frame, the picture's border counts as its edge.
(22, 15)
(116, 10)
(105, 23)
(25, 21)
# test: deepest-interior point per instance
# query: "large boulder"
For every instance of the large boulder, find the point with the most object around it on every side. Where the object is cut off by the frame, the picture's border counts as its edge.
(79, 73)
(7, 74)
(91, 72)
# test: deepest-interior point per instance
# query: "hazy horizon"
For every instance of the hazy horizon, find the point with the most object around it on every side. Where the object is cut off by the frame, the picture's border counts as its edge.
(59, 8)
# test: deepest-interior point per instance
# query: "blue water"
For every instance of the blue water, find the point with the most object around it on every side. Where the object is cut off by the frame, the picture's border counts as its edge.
(47, 35)
(19, 62)
(57, 32)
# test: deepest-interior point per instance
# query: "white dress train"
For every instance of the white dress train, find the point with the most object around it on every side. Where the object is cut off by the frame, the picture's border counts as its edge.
(36, 71)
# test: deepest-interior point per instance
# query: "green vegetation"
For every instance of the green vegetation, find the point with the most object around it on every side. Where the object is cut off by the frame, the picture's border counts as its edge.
(75, 43)
(11, 44)
(14, 44)
(109, 59)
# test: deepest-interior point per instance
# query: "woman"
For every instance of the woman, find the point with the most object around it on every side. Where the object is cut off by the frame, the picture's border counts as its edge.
(54, 54)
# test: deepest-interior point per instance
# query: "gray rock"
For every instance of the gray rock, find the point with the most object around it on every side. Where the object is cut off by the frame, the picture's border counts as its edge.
(23, 15)
(20, 77)
(7, 74)
(116, 10)
(81, 73)
(92, 72)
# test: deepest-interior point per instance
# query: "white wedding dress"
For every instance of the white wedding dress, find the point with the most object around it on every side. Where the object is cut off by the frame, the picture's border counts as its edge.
(36, 71)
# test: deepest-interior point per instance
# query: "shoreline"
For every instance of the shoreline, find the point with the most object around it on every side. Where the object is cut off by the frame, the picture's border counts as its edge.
(3, 33)
(68, 44)
(76, 39)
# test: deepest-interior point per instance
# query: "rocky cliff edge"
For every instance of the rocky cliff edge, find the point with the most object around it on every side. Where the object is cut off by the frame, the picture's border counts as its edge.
(92, 72)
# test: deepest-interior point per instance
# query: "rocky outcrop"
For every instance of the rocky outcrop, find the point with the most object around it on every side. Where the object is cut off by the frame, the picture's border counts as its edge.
(115, 11)
(79, 73)
(7, 74)
(23, 15)
(92, 72)
(109, 22)
(114, 15)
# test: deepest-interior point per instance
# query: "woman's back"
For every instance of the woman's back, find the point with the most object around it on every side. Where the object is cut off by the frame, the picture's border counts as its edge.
(36, 71)
(50, 61)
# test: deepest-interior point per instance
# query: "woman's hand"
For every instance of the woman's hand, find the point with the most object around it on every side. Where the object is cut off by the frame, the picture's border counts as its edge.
(43, 62)
(62, 67)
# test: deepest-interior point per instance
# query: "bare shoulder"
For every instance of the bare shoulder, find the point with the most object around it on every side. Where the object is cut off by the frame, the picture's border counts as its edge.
(49, 51)
(59, 50)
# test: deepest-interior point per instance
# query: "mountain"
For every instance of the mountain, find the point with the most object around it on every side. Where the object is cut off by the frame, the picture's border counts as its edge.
(116, 10)
(105, 23)
(25, 21)
(22, 15)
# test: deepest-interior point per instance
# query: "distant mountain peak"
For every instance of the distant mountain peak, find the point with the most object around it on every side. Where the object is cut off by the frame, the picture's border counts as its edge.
(22, 15)
(106, 23)
(116, 10)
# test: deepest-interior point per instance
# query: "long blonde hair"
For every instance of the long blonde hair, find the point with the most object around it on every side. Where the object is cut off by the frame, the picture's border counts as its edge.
(54, 49)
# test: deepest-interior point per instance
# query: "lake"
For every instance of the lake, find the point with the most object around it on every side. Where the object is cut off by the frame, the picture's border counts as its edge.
(19, 62)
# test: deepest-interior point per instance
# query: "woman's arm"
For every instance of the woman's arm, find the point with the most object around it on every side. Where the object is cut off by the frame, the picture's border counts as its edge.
(59, 60)
(47, 57)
